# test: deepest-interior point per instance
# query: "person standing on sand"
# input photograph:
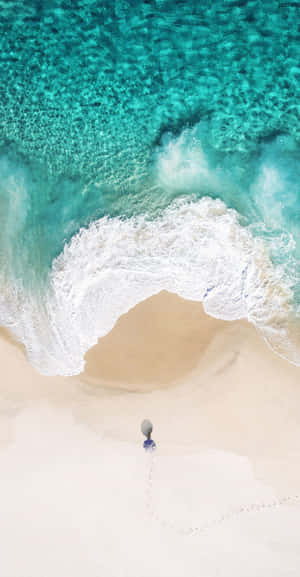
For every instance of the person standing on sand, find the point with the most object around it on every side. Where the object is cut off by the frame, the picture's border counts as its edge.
(147, 428)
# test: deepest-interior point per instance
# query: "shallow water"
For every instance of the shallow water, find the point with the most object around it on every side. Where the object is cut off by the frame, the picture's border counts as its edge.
(118, 110)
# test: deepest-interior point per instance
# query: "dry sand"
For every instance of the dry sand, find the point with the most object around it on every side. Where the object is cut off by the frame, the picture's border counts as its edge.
(78, 495)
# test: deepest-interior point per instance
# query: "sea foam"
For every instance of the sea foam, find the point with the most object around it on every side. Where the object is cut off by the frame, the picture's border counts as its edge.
(195, 249)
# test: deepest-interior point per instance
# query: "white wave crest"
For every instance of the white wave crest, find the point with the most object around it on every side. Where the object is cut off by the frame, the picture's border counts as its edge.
(197, 250)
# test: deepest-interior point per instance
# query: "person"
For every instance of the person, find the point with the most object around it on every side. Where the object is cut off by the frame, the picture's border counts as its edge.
(147, 428)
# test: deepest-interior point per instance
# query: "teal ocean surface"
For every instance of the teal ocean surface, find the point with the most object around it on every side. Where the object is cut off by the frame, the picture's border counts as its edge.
(147, 145)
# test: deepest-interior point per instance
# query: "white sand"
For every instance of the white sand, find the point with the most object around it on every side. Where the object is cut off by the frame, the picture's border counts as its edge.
(76, 497)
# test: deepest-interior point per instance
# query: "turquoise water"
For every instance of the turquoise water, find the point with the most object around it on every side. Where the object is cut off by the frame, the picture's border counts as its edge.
(118, 108)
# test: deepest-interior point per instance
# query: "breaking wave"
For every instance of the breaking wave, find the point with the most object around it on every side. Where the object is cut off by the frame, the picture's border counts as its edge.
(196, 249)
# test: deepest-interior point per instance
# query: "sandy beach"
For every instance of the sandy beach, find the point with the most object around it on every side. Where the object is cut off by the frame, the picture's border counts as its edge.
(221, 496)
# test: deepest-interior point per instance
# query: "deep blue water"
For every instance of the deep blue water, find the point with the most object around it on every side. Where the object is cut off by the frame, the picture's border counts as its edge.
(94, 95)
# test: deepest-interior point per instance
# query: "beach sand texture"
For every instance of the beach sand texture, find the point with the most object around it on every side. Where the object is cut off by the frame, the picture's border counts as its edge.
(221, 497)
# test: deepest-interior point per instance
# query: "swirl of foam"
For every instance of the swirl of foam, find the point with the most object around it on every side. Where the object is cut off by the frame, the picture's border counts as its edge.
(197, 250)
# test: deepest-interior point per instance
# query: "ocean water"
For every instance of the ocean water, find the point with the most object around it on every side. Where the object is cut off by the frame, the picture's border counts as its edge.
(147, 145)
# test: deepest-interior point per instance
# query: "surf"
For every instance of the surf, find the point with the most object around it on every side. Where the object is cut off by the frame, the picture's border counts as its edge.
(196, 249)
(209, 226)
